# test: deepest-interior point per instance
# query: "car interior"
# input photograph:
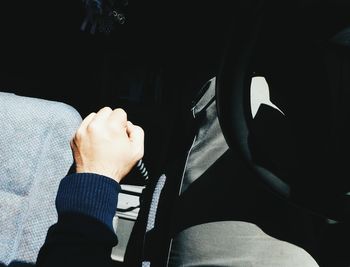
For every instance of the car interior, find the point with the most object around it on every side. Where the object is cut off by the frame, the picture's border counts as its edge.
(280, 88)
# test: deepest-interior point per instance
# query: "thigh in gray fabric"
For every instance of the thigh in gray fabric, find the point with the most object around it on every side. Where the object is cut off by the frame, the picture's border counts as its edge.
(234, 244)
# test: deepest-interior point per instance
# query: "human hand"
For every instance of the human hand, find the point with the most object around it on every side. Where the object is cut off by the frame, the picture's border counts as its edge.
(107, 143)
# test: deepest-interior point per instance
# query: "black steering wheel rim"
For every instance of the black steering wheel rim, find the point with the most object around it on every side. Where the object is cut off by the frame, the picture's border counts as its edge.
(231, 91)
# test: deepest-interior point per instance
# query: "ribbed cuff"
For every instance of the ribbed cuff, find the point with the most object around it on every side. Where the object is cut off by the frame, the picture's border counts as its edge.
(89, 194)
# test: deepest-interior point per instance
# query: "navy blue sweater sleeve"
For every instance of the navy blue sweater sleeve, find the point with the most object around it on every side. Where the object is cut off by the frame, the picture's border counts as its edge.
(88, 194)
(83, 235)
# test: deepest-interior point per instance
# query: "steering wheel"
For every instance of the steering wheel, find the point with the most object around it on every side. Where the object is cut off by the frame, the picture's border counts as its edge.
(301, 65)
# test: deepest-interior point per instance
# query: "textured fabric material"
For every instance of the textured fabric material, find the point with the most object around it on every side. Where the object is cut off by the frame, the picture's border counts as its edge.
(209, 137)
(154, 203)
(89, 194)
(240, 245)
(34, 155)
(151, 219)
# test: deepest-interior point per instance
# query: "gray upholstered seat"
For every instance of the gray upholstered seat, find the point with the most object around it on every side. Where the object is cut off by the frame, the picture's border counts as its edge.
(34, 156)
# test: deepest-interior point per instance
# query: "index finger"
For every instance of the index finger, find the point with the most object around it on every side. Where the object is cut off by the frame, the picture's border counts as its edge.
(87, 121)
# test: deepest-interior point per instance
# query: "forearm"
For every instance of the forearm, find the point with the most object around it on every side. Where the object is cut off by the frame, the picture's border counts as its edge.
(83, 235)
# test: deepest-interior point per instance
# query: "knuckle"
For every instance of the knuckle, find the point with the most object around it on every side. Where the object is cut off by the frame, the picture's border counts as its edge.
(92, 127)
(105, 109)
(78, 134)
(140, 132)
(89, 117)
(121, 113)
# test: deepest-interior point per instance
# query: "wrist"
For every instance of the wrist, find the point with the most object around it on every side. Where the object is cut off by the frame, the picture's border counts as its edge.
(114, 175)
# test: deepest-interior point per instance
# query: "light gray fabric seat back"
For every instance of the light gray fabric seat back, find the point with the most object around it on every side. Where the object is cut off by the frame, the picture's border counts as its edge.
(34, 155)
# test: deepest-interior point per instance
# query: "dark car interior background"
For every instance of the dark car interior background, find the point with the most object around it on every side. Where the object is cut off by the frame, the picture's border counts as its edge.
(154, 65)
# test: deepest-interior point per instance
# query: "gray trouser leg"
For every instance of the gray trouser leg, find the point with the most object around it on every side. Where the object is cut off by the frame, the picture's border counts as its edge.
(241, 244)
